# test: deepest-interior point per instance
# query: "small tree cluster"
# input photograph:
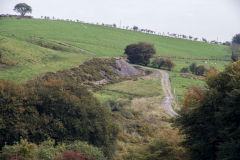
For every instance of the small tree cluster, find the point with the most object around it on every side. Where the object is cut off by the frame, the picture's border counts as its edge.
(197, 70)
(140, 53)
(160, 62)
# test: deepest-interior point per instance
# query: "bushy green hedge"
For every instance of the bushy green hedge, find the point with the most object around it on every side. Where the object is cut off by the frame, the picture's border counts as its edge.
(47, 150)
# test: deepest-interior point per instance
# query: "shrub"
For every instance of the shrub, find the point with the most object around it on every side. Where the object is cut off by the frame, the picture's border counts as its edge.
(113, 105)
(184, 70)
(148, 72)
(161, 148)
(193, 67)
(22, 150)
(200, 70)
(85, 148)
(158, 62)
(74, 155)
(234, 57)
(47, 150)
(169, 64)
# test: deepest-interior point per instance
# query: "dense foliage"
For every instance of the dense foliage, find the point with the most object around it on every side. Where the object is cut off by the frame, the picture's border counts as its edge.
(162, 148)
(48, 150)
(74, 155)
(56, 109)
(210, 117)
(140, 53)
(236, 39)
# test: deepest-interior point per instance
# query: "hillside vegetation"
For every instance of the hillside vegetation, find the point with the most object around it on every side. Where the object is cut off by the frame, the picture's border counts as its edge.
(31, 46)
(74, 89)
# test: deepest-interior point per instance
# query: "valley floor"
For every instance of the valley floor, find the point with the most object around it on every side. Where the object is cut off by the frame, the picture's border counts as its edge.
(143, 109)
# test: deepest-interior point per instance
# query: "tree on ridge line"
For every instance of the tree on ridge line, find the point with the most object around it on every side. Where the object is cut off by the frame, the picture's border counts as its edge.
(22, 8)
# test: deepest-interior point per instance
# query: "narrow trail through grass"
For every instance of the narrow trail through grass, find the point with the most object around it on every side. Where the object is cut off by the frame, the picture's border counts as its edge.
(168, 100)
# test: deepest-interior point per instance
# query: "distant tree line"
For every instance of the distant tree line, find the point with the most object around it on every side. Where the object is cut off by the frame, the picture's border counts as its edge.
(23, 8)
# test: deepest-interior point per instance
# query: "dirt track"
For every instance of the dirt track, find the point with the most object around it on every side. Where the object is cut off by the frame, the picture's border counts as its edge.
(166, 86)
(169, 98)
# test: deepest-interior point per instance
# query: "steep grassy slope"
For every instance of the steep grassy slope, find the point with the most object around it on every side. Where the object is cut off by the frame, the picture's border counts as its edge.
(31, 60)
(39, 46)
(104, 41)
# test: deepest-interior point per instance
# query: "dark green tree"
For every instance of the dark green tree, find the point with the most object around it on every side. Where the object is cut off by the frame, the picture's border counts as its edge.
(140, 53)
(210, 118)
(235, 46)
(193, 67)
(236, 39)
(22, 8)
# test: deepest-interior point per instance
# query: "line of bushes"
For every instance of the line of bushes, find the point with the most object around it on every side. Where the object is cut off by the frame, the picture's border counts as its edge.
(197, 70)
(49, 150)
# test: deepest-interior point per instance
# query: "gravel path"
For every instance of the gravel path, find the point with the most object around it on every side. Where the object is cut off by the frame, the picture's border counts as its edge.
(169, 98)
(166, 86)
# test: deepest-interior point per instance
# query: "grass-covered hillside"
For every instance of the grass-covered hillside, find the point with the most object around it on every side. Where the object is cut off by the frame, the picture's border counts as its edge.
(30, 47)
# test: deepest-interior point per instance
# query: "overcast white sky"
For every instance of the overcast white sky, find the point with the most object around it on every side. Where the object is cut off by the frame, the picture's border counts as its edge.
(213, 19)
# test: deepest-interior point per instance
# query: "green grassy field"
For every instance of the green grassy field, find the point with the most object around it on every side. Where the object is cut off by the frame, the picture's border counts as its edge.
(40, 46)
(130, 89)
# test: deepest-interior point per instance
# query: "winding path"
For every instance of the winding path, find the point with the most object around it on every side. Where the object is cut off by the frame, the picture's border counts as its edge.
(166, 86)
(169, 98)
